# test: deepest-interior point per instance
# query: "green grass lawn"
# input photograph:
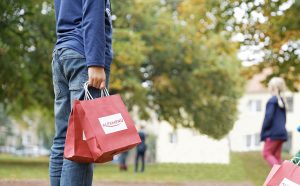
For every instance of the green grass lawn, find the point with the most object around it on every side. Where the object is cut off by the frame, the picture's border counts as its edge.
(244, 167)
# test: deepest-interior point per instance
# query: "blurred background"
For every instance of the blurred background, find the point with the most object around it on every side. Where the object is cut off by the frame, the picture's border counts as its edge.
(193, 72)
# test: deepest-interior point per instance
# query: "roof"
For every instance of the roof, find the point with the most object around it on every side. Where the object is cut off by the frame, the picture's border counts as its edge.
(254, 85)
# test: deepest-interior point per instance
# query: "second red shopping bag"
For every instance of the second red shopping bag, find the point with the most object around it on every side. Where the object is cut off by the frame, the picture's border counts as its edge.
(288, 174)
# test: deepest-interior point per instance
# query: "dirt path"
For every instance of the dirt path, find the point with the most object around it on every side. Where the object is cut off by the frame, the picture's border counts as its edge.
(45, 183)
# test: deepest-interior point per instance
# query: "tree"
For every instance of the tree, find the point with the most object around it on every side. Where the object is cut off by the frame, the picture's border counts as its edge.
(283, 31)
(164, 61)
(130, 53)
(184, 86)
(27, 39)
(274, 28)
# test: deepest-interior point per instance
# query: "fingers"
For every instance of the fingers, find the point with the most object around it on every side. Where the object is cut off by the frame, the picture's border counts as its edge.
(96, 77)
(91, 81)
(97, 83)
(102, 85)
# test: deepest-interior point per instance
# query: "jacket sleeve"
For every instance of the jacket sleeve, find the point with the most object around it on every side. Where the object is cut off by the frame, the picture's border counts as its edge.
(270, 109)
(93, 23)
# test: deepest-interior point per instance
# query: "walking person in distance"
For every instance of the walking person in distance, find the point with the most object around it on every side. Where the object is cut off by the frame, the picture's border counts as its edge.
(273, 131)
(141, 151)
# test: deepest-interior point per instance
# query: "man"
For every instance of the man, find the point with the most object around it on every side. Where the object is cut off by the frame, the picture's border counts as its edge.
(83, 52)
(123, 161)
(141, 151)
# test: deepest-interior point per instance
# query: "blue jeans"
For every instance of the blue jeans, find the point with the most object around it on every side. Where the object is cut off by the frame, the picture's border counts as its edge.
(69, 74)
(139, 155)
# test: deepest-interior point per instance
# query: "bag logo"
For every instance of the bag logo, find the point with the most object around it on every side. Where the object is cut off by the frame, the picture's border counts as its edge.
(112, 123)
(83, 136)
(287, 182)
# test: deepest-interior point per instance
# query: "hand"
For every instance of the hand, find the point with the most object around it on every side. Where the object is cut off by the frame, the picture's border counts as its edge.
(97, 77)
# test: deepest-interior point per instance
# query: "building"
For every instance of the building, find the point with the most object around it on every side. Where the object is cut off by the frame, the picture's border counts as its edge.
(22, 138)
(183, 145)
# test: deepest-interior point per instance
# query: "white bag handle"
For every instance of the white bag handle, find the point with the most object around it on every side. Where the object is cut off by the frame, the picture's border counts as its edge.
(87, 95)
(294, 158)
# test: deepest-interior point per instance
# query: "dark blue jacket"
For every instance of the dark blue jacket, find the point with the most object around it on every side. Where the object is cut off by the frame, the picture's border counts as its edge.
(86, 27)
(142, 147)
(274, 121)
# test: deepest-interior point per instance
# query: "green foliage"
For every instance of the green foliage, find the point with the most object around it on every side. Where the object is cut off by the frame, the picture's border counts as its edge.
(280, 35)
(284, 30)
(27, 38)
(130, 53)
(193, 77)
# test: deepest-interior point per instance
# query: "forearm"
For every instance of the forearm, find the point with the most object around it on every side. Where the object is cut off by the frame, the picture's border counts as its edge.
(94, 32)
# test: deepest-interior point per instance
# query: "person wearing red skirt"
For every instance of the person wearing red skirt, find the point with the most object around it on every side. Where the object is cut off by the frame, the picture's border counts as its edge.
(273, 131)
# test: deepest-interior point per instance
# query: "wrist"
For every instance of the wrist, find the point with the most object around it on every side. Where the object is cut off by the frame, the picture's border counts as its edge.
(96, 68)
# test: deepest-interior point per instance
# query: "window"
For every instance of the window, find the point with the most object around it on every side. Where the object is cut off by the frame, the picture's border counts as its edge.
(248, 140)
(28, 139)
(173, 137)
(252, 141)
(290, 104)
(257, 139)
(287, 146)
(254, 105)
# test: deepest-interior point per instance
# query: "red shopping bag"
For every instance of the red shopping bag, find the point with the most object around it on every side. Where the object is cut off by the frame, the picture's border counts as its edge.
(271, 174)
(99, 129)
(288, 174)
